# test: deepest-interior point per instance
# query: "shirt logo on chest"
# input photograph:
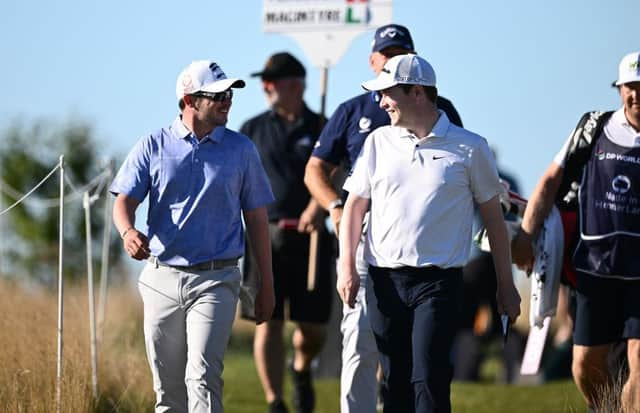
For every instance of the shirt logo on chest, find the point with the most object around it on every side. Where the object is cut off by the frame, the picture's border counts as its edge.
(364, 124)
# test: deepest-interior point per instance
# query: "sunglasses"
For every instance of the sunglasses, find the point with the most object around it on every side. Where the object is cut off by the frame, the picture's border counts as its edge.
(216, 97)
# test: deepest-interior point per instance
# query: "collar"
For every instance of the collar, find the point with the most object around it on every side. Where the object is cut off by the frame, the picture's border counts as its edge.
(439, 130)
(620, 118)
(180, 131)
(305, 115)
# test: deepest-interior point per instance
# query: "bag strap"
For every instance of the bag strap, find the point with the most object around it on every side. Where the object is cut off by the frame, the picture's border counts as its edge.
(585, 135)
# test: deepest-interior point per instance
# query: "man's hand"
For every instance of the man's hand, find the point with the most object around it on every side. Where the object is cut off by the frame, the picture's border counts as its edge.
(348, 285)
(312, 218)
(265, 302)
(522, 251)
(508, 300)
(136, 244)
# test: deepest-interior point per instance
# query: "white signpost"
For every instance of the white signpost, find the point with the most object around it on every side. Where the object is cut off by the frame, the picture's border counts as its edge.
(324, 29)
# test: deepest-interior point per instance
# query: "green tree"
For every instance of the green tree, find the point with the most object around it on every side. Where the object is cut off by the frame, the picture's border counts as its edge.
(30, 230)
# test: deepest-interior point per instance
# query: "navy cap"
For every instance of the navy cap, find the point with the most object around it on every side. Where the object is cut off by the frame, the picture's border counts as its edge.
(392, 35)
(281, 65)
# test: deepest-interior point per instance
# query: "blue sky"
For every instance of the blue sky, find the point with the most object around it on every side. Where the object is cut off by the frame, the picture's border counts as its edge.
(520, 73)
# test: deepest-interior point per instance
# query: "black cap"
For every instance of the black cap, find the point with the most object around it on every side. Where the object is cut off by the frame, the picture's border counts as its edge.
(281, 65)
(392, 35)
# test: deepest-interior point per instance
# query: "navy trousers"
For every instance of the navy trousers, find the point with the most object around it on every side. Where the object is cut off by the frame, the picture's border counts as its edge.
(414, 322)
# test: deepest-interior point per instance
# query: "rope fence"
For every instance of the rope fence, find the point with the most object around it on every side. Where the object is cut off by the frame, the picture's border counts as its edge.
(88, 194)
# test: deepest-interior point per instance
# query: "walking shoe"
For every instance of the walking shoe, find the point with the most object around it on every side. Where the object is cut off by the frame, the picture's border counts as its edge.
(304, 398)
(278, 406)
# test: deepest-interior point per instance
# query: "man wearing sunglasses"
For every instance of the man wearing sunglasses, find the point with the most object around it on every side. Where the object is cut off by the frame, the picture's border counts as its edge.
(338, 146)
(202, 180)
(284, 135)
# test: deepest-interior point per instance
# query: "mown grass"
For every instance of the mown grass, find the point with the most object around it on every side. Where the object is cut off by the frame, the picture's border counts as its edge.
(28, 364)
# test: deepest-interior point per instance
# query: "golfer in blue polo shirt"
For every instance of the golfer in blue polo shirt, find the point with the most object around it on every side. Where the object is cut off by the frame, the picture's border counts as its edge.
(202, 179)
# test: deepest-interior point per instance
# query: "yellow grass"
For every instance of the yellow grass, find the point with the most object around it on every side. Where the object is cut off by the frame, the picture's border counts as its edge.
(28, 353)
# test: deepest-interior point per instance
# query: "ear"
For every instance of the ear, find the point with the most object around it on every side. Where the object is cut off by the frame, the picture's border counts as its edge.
(188, 100)
(371, 62)
(267, 86)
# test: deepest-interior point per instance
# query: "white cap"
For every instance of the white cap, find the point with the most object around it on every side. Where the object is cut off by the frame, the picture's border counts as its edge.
(629, 69)
(407, 69)
(204, 76)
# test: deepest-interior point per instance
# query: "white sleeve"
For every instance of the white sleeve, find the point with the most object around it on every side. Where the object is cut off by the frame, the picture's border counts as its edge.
(485, 183)
(561, 156)
(359, 180)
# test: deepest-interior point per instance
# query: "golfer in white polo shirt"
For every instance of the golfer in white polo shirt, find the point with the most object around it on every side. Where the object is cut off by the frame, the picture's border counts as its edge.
(419, 178)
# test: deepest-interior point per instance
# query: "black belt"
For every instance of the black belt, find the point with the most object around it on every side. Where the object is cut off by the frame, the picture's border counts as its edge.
(201, 266)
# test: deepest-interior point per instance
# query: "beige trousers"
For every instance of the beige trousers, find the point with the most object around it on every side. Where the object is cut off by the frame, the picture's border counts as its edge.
(187, 325)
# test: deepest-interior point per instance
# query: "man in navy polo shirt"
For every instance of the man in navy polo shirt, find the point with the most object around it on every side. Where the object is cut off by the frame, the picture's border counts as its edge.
(339, 145)
(201, 179)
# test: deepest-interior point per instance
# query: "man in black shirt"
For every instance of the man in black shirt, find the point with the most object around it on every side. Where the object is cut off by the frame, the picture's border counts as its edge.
(285, 135)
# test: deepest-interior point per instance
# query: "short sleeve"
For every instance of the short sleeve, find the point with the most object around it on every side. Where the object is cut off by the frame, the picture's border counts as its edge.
(256, 189)
(561, 156)
(485, 183)
(359, 180)
(332, 143)
(133, 178)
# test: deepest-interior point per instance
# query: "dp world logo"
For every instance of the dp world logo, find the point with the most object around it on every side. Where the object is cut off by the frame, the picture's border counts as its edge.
(621, 184)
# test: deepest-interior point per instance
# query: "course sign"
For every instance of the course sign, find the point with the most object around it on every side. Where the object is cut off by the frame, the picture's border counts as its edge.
(324, 29)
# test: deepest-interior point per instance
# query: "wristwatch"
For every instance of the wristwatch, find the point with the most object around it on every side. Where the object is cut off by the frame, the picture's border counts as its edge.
(337, 203)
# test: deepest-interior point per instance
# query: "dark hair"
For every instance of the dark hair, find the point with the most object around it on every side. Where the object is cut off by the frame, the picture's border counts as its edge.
(181, 104)
(430, 91)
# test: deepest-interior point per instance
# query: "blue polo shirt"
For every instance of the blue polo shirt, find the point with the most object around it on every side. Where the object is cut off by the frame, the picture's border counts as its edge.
(196, 190)
(351, 123)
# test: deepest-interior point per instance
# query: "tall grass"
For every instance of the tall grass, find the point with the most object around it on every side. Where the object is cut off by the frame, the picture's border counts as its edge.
(28, 353)
(28, 323)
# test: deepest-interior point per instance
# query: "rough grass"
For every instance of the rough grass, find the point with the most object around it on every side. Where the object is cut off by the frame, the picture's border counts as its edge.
(28, 345)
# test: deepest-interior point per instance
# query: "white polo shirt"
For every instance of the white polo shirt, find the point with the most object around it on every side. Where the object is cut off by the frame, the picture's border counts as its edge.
(422, 193)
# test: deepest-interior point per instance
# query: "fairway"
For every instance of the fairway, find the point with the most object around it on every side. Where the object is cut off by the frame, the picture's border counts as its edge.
(243, 394)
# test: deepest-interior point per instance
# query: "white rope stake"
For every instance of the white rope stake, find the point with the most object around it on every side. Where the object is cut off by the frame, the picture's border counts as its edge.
(60, 286)
(104, 269)
(92, 315)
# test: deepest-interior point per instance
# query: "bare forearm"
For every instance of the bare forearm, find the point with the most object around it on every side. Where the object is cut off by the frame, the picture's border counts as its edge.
(124, 213)
(542, 200)
(498, 240)
(351, 228)
(257, 224)
(507, 296)
(317, 177)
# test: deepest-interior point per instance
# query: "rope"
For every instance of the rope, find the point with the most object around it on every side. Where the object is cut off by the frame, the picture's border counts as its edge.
(31, 191)
(98, 181)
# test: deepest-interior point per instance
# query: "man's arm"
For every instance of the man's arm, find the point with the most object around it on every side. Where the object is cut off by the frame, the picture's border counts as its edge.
(351, 228)
(537, 210)
(317, 177)
(257, 223)
(507, 295)
(135, 243)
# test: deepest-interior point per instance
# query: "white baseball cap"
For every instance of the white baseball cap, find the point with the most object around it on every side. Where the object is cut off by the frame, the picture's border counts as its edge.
(407, 69)
(204, 76)
(629, 69)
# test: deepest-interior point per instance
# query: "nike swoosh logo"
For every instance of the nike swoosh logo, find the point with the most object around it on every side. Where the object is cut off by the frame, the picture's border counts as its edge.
(435, 158)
